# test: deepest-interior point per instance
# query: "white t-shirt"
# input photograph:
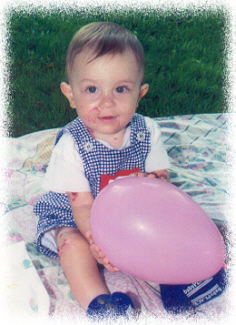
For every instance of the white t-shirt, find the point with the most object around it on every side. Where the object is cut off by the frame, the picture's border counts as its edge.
(65, 172)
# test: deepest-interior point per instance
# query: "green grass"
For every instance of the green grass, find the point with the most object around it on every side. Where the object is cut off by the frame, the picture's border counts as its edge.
(185, 62)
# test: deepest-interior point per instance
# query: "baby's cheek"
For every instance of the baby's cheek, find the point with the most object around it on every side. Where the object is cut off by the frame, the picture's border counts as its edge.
(92, 115)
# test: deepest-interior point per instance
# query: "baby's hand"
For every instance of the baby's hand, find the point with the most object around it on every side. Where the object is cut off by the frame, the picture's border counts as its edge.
(160, 174)
(98, 254)
(140, 174)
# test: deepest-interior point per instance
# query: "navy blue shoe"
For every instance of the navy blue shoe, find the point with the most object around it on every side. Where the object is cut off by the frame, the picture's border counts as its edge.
(112, 306)
(97, 309)
(123, 305)
(182, 298)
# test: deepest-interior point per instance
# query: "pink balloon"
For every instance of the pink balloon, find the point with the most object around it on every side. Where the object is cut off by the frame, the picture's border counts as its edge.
(153, 231)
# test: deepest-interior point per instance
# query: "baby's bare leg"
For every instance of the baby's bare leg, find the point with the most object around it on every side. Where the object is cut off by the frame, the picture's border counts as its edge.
(79, 266)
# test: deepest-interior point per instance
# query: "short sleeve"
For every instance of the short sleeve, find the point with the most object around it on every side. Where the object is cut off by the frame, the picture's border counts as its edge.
(65, 172)
(157, 158)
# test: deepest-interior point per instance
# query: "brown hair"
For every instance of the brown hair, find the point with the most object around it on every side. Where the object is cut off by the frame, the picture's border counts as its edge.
(104, 38)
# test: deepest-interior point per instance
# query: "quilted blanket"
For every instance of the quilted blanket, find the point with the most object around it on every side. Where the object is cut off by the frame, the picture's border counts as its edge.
(196, 145)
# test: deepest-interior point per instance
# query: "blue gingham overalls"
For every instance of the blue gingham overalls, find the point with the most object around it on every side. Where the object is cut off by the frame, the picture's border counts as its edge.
(53, 209)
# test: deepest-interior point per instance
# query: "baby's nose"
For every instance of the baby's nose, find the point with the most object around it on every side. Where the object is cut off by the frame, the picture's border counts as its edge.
(107, 101)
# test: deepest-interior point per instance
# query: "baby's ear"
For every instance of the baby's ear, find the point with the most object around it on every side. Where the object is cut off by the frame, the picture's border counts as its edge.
(67, 91)
(143, 91)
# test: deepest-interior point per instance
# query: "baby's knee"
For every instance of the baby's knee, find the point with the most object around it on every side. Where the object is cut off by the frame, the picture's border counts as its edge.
(70, 240)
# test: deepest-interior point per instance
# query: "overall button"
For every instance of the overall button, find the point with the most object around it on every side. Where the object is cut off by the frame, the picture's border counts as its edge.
(141, 136)
(88, 146)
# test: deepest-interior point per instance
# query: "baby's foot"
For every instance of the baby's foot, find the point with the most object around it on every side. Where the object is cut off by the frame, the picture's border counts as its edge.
(112, 307)
(183, 298)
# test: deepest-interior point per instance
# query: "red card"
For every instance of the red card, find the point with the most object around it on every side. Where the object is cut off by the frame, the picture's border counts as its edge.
(106, 178)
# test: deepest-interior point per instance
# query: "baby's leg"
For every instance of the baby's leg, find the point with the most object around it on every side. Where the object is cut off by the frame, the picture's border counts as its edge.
(79, 266)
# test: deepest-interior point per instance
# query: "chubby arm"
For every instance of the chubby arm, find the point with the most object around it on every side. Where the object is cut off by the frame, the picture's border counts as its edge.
(81, 204)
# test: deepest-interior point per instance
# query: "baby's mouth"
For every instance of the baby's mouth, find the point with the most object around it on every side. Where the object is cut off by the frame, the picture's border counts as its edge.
(107, 119)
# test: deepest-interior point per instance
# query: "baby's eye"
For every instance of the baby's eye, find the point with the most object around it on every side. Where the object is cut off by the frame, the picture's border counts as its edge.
(121, 89)
(92, 90)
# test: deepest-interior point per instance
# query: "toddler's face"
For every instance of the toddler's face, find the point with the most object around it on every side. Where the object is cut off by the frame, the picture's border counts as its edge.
(105, 92)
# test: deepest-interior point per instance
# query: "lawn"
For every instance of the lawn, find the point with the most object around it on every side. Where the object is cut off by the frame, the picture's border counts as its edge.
(185, 62)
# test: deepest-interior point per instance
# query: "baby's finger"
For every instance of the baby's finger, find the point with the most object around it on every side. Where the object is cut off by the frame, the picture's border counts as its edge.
(101, 254)
(139, 174)
(163, 178)
(105, 261)
(111, 268)
(89, 236)
(93, 249)
(151, 176)
(133, 174)
(142, 175)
